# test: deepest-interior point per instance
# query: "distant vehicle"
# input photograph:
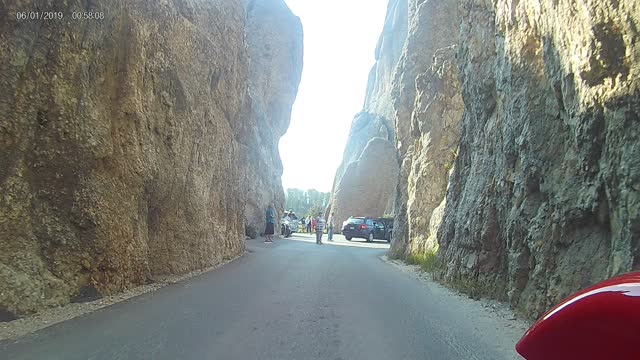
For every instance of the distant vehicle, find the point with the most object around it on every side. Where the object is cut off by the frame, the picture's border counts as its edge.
(289, 224)
(367, 228)
(600, 322)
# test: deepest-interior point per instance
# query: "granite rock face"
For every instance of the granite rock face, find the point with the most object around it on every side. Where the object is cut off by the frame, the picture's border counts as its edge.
(374, 121)
(431, 26)
(275, 46)
(532, 131)
(545, 195)
(366, 186)
(434, 135)
(428, 109)
(125, 146)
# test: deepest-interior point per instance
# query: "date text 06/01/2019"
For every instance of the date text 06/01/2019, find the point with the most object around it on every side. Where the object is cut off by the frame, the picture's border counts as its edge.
(59, 15)
(39, 15)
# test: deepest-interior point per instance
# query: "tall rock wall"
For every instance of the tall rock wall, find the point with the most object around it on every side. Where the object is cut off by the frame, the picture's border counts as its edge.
(428, 109)
(274, 40)
(545, 195)
(374, 121)
(125, 146)
(531, 131)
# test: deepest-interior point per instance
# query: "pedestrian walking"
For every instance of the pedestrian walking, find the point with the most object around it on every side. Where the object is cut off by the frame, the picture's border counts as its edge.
(330, 226)
(271, 224)
(319, 228)
(308, 224)
(314, 221)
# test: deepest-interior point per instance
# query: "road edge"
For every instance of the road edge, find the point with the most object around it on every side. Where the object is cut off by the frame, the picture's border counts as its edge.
(494, 316)
(15, 329)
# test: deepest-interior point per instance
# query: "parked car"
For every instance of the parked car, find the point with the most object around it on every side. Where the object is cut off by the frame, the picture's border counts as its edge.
(368, 228)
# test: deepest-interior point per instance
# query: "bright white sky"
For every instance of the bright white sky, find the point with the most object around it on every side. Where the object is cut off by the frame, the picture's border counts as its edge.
(340, 38)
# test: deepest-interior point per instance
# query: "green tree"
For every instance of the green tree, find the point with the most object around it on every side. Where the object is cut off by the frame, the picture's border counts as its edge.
(306, 202)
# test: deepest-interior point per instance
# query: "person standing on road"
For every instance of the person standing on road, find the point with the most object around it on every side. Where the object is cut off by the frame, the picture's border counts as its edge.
(314, 221)
(319, 228)
(308, 224)
(271, 224)
(330, 225)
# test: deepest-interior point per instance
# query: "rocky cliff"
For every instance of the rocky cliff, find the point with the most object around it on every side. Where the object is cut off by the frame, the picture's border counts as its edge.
(274, 40)
(543, 196)
(428, 109)
(126, 144)
(374, 121)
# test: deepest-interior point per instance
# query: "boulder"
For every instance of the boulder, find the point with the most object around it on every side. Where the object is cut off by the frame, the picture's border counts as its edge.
(368, 183)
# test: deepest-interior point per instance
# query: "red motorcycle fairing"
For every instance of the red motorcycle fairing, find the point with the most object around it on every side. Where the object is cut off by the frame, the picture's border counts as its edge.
(600, 322)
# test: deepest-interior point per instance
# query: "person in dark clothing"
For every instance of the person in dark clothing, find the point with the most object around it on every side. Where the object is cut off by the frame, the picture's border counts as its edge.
(271, 224)
(309, 221)
(330, 226)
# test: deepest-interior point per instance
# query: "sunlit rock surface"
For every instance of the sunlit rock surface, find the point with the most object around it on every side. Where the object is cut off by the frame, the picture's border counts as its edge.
(428, 160)
(545, 195)
(274, 40)
(366, 186)
(544, 190)
(375, 121)
(127, 145)
(428, 109)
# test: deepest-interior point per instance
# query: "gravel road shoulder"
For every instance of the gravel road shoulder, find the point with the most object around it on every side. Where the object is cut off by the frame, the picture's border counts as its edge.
(492, 319)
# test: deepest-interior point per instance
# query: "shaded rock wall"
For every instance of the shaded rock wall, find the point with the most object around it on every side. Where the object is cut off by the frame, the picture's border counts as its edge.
(545, 195)
(375, 121)
(124, 146)
(274, 40)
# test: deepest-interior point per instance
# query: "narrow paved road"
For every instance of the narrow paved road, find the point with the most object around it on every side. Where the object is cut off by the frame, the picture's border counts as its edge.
(289, 300)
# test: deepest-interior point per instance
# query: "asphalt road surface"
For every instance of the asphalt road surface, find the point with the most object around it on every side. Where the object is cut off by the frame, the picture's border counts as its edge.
(289, 300)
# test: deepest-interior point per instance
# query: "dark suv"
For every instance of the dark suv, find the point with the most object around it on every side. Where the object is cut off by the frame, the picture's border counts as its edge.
(367, 228)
